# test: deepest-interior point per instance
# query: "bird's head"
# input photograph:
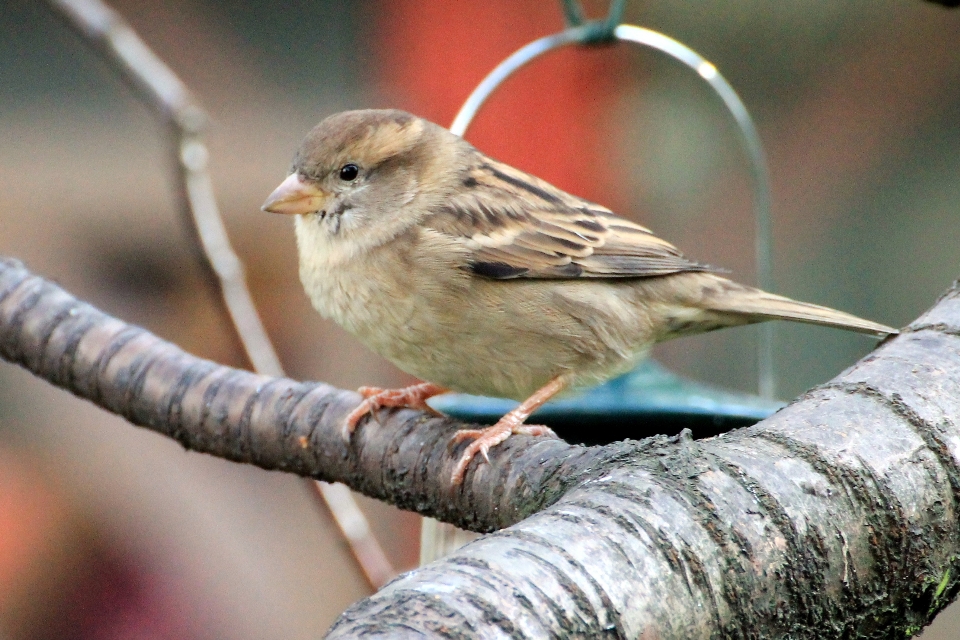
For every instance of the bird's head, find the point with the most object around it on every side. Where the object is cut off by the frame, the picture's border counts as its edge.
(356, 172)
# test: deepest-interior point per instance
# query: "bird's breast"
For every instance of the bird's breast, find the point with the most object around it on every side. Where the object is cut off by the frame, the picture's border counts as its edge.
(359, 292)
(390, 296)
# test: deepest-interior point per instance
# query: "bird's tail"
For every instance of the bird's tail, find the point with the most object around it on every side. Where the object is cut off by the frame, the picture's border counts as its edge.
(754, 305)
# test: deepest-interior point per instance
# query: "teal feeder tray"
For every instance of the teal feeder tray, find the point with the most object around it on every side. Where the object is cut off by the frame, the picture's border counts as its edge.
(647, 401)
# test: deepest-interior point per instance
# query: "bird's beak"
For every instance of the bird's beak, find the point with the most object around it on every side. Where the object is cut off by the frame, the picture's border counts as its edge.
(295, 196)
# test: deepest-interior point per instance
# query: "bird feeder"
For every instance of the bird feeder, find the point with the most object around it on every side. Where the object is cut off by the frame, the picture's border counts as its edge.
(650, 400)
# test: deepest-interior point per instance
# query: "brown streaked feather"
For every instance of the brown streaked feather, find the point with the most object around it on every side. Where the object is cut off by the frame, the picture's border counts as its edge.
(727, 296)
(519, 226)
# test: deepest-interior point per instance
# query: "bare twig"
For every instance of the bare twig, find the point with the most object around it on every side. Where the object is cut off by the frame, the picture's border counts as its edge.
(170, 99)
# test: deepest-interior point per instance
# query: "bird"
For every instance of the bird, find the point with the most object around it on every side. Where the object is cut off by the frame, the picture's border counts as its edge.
(480, 278)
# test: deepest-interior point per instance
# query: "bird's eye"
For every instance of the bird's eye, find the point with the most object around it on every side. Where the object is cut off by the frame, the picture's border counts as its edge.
(349, 172)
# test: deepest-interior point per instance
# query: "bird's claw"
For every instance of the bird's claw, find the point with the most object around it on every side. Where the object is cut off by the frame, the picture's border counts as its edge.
(490, 437)
(375, 398)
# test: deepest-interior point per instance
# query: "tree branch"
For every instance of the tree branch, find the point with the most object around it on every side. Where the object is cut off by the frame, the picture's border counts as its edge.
(836, 517)
(274, 423)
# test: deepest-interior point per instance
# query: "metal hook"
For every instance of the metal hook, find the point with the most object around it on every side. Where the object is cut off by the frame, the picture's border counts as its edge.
(594, 31)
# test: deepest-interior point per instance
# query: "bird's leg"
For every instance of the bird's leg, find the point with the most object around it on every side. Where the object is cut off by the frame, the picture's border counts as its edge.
(511, 423)
(413, 397)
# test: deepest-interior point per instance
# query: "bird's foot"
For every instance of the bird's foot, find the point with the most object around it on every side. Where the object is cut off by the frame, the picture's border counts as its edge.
(491, 437)
(374, 398)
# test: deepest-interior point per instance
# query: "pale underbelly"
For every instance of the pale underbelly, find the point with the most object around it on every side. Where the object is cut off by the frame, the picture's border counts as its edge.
(504, 346)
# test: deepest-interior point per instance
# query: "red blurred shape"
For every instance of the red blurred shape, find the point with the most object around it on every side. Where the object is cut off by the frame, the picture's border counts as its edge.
(555, 118)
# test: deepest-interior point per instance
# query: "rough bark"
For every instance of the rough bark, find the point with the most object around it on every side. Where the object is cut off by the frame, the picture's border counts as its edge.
(837, 517)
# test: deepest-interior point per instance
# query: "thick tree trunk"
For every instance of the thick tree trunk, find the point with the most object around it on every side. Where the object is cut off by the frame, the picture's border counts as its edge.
(837, 517)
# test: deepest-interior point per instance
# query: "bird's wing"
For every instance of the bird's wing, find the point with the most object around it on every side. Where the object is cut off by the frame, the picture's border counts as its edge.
(516, 225)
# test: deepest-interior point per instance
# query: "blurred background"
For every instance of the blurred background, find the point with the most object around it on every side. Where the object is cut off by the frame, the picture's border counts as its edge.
(107, 531)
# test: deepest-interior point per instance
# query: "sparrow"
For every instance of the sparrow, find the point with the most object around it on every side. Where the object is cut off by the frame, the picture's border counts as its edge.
(479, 278)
